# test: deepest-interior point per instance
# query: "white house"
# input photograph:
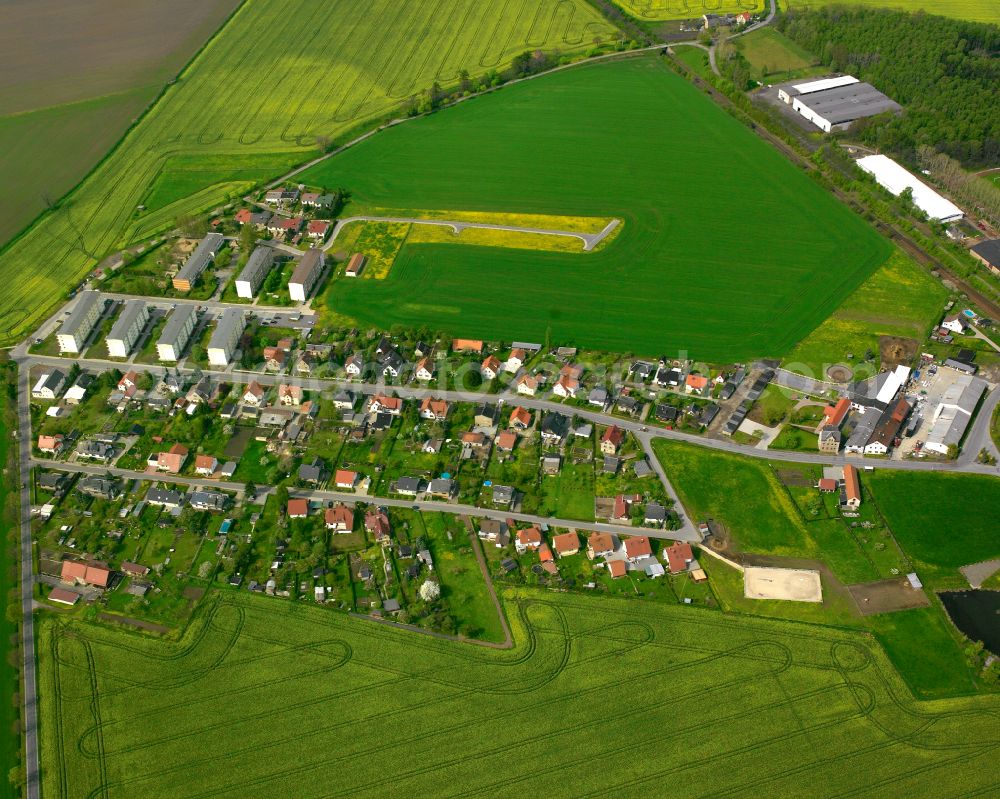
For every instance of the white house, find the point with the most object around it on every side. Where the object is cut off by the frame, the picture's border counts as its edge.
(956, 323)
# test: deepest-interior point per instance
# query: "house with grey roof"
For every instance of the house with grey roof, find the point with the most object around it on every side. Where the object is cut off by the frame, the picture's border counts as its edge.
(198, 261)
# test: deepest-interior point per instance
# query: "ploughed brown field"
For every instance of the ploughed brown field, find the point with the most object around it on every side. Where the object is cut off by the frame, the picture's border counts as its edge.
(75, 76)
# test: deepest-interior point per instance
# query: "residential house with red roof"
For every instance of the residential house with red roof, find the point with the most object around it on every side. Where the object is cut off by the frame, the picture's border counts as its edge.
(490, 367)
(520, 418)
(637, 547)
(339, 518)
(173, 460)
(434, 409)
(612, 440)
(679, 557)
(345, 478)
(566, 544)
(298, 508)
(80, 573)
(205, 465)
(696, 384)
(528, 539)
(51, 445)
(377, 525)
(600, 545)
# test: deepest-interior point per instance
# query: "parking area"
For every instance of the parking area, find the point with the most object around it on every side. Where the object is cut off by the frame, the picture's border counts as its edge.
(934, 381)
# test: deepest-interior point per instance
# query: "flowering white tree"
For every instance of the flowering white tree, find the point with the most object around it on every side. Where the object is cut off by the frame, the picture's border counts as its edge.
(430, 591)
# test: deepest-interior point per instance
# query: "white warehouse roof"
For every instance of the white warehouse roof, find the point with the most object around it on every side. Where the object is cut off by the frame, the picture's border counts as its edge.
(892, 177)
(895, 381)
(823, 84)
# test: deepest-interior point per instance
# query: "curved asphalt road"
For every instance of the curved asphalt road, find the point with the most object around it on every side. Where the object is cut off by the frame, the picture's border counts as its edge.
(590, 240)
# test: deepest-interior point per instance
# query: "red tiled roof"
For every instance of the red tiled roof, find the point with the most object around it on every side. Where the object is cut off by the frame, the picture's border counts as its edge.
(506, 440)
(678, 557)
(566, 543)
(466, 345)
(545, 553)
(696, 382)
(521, 416)
(614, 434)
(529, 537)
(339, 516)
(298, 507)
(345, 477)
(616, 568)
(601, 542)
(638, 546)
(851, 486)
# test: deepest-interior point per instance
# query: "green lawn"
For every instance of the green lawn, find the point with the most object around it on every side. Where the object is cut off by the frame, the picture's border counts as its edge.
(462, 582)
(899, 299)
(942, 521)
(555, 146)
(764, 517)
(282, 80)
(696, 58)
(775, 706)
(774, 57)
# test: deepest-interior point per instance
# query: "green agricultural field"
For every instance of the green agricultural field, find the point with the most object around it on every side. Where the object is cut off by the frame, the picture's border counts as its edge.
(293, 695)
(974, 10)
(662, 10)
(900, 299)
(942, 520)
(746, 497)
(631, 140)
(281, 78)
(774, 57)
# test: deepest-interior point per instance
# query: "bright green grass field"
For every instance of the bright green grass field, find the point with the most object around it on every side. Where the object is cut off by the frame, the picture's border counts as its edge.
(746, 496)
(282, 76)
(974, 10)
(662, 10)
(899, 299)
(727, 250)
(264, 697)
(774, 57)
(942, 520)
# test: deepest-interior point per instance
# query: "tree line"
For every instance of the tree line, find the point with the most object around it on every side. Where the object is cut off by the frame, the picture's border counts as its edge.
(944, 72)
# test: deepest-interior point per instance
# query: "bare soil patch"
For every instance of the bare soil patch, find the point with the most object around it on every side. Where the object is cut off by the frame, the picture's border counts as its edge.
(138, 624)
(895, 350)
(887, 596)
(796, 585)
(57, 52)
(839, 373)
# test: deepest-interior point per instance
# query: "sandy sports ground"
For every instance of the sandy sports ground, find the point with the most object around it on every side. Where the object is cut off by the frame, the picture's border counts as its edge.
(799, 585)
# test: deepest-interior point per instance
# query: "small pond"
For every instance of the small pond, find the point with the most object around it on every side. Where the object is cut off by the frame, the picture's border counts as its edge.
(976, 614)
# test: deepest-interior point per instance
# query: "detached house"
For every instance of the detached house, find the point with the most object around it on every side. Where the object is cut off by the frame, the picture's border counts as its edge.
(173, 460)
(520, 418)
(354, 365)
(339, 519)
(515, 360)
(205, 465)
(490, 367)
(434, 409)
(637, 547)
(600, 545)
(50, 445)
(526, 385)
(254, 394)
(566, 544)
(612, 440)
(289, 395)
(344, 478)
(566, 387)
(424, 370)
(696, 384)
(377, 525)
(382, 404)
(529, 539)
